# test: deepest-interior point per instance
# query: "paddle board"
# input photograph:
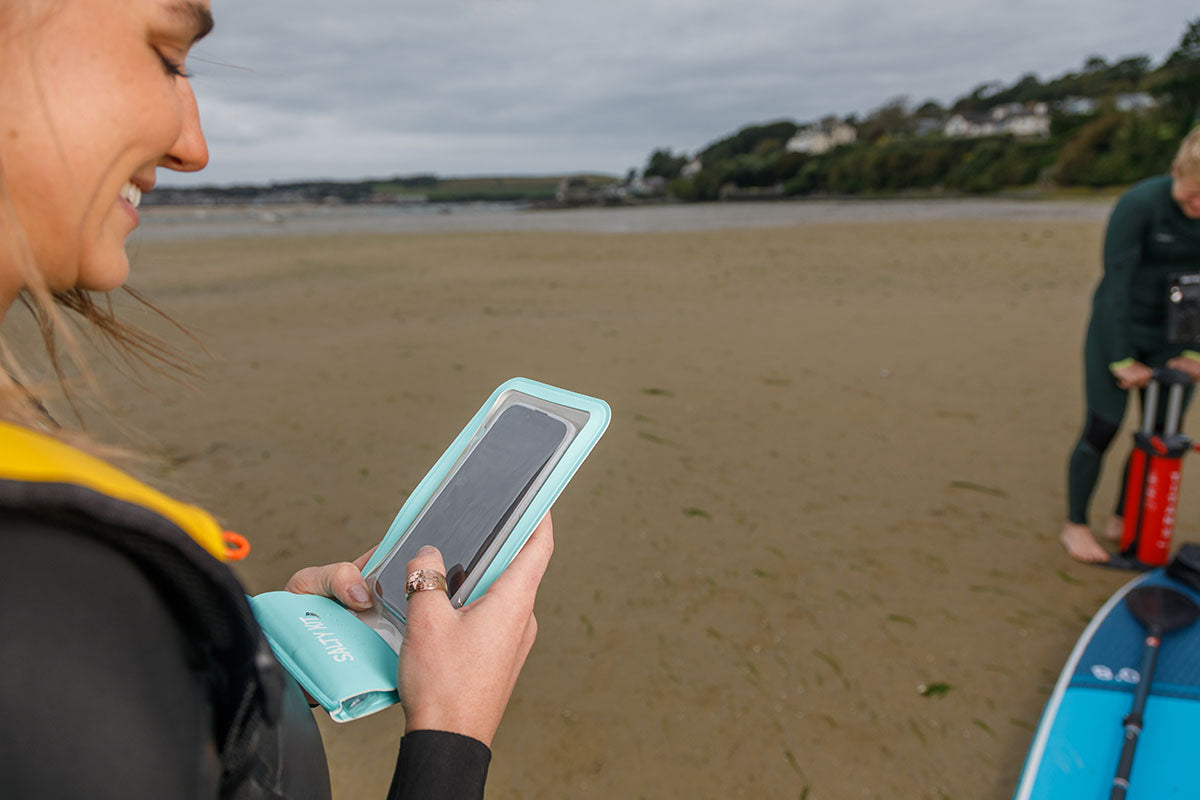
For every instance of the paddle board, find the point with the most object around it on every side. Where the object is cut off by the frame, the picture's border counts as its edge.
(1078, 741)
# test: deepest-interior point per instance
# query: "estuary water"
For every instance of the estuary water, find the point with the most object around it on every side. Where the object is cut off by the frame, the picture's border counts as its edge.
(183, 223)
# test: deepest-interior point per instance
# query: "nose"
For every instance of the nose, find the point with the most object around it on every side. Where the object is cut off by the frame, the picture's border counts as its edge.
(189, 153)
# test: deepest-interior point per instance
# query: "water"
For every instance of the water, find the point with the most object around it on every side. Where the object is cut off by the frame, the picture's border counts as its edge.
(172, 223)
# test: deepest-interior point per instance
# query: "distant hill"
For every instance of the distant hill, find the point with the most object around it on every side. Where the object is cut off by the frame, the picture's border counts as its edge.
(1105, 124)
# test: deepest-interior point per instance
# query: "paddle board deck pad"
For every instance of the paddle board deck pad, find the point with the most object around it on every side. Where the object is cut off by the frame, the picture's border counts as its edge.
(1078, 741)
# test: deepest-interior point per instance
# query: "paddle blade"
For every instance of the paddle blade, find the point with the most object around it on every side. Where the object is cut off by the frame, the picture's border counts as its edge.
(1162, 608)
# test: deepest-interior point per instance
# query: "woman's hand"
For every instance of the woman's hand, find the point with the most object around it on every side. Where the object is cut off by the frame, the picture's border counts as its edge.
(458, 666)
(1186, 365)
(1133, 376)
(342, 581)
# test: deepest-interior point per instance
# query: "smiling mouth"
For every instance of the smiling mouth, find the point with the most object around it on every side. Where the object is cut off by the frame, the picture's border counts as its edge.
(131, 194)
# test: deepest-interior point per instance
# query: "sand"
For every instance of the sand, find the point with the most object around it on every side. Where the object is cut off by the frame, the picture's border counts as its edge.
(834, 476)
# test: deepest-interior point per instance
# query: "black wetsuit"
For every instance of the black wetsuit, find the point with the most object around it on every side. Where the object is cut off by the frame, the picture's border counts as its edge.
(1148, 238)
(106, 694)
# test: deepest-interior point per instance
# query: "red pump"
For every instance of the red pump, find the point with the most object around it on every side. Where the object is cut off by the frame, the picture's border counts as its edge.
(1152, 483)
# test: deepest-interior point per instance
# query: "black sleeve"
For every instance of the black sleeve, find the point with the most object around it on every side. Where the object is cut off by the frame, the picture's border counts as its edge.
(97, 695)
(437, 765)
(1123, 240)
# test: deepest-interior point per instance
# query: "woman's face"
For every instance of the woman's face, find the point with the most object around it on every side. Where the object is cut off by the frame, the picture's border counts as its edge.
(1186, 192)
(92, 100)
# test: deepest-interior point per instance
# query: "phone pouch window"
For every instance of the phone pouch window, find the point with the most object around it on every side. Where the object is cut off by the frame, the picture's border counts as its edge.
(479, 504)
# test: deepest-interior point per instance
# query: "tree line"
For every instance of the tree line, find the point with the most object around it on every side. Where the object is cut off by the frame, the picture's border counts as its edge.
(899, 148)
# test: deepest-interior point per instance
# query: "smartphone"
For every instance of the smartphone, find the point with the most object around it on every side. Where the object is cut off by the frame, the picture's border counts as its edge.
(479, 503)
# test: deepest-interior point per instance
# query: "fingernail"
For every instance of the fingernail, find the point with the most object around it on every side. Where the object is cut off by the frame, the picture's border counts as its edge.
(427, 550)
(358, 593)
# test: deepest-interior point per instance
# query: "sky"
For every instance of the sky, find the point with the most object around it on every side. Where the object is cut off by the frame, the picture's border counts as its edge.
(297, 89)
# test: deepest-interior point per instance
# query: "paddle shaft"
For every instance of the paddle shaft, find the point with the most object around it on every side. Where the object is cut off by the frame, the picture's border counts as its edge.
(1133, 720)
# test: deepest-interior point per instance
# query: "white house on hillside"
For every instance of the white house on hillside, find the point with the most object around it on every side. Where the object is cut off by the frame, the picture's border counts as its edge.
(968, 125)
(1030, 122)
(821, 137)
(1015, 119)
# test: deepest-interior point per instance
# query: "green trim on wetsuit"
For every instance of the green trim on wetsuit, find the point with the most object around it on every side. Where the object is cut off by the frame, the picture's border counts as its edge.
(1148, 238)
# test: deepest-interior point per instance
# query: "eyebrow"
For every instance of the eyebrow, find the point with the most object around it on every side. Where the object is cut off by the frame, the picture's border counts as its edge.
(198, 16)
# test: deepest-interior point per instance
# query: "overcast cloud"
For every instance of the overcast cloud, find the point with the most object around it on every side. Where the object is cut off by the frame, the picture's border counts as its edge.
(294, 89)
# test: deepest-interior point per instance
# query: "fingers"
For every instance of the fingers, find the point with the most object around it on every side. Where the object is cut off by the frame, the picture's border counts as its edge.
(1189, 366)
(428, 557)
(524, 574)
(1134, 376)
(343, 582)
(425, 604)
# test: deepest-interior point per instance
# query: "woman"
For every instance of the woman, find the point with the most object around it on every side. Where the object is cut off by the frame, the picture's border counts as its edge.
(132, 666)
(1153, 231)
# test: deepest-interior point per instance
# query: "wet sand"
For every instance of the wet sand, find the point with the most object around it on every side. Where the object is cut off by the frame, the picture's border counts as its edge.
(834, 475)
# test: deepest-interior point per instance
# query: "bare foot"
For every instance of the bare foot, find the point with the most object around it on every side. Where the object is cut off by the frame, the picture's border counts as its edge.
(1115, 529)
(1081, 545)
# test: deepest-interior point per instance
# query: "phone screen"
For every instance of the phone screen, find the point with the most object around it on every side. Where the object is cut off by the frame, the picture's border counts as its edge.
(480, 498)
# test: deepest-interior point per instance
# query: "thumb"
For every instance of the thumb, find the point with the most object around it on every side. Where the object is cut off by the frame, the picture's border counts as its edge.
(343, 582)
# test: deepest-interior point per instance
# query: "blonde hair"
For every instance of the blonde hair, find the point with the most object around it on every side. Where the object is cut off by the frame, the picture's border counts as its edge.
(22, 395)
(1187, 159)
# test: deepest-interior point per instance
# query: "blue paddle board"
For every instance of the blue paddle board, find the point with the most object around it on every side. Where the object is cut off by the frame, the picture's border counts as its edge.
(1078, 742)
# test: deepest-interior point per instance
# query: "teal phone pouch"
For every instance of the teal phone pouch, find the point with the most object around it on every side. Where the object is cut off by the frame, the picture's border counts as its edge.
(346, 660)
(344, 665)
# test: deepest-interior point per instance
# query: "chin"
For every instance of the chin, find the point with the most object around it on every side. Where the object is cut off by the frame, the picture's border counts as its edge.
(104, 278)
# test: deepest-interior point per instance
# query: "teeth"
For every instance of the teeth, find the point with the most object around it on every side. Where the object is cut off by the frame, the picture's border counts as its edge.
(131, 193)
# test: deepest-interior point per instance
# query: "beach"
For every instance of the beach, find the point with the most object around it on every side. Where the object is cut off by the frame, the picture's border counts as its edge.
(815, 554)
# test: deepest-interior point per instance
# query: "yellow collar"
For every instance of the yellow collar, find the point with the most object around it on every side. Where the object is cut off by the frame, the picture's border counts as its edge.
(35, 458)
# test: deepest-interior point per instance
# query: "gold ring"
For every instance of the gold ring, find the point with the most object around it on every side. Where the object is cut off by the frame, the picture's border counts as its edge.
(423, 580)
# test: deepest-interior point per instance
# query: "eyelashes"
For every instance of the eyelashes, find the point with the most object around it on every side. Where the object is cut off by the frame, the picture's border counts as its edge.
(173, 68)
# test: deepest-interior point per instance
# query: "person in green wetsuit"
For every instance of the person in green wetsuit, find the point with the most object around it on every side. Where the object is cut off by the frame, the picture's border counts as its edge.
(1153, 232)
